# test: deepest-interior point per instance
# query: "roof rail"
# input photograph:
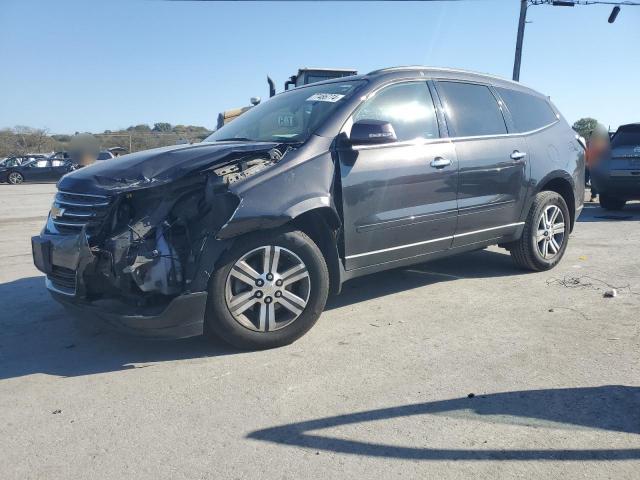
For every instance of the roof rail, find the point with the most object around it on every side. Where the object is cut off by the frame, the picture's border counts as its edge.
(443, 69)
(399, 68)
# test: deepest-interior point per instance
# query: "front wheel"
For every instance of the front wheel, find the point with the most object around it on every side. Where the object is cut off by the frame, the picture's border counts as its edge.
(546, 234)
(15, 178)
(611, 203)
(268, 292)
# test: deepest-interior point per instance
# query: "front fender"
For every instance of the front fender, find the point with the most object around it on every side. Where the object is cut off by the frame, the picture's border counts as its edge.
(280, 198)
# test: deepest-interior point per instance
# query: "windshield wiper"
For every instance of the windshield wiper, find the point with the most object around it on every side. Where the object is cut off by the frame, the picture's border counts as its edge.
(286, 139)
(235, 139)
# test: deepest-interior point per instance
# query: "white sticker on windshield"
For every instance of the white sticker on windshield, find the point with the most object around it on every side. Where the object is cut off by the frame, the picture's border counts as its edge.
(325, 97)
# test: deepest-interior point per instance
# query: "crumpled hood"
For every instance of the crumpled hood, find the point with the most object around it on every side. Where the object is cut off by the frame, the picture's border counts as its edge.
(156, 167)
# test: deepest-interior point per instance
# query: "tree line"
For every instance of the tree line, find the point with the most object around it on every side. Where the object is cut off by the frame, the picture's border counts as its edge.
(21, 140)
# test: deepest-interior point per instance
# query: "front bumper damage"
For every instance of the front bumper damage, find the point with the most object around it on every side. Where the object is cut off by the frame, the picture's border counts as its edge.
(141, 262)
(66, 259)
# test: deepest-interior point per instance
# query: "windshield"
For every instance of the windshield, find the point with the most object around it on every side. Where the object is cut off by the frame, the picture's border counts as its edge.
(289, 117)
(627, 137)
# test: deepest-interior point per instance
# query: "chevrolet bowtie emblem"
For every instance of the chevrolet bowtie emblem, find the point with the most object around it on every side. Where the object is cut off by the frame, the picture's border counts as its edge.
(56, 211)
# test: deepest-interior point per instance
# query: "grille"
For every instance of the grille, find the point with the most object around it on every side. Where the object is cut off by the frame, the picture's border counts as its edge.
(75, 210)
(63, 279)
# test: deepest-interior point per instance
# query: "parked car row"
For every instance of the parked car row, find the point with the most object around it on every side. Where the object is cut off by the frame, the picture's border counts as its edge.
(15, 172)
(40, 167)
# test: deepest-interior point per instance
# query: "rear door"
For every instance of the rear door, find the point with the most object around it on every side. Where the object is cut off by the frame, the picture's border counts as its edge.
(59, 168)
(397, 203)
(492, 179)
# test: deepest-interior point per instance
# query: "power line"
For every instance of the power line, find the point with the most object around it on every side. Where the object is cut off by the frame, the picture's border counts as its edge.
(559, 3)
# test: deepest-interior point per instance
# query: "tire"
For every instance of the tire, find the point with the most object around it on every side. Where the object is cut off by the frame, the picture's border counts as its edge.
(15, 178)
(528, 251)
(279, 316)
(611, 203)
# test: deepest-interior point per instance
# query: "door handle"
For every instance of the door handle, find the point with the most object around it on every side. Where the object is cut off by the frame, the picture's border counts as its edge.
(516, 155)
(440, 162)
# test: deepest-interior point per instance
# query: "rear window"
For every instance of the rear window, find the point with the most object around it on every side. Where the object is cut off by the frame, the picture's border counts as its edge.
(527, 111)
(471, 109)
(626, 137)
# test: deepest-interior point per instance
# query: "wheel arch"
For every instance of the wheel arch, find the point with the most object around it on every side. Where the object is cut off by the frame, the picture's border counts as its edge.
(563, 185)
(322, 224)
(319, 221)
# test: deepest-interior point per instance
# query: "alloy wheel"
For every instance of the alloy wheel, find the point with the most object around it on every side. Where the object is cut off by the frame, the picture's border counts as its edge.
(267, 288)
(551, 231)
(15, 178)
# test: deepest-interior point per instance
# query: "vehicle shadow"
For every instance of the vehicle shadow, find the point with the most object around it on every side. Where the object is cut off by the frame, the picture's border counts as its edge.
(37, 335)
(478, 264)
(593, 212)
(611, 407)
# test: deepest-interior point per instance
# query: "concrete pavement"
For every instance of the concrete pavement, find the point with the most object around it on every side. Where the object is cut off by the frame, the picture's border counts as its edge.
(458, 368)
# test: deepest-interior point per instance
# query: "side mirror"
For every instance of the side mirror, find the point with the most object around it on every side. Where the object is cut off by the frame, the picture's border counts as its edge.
(372, 132)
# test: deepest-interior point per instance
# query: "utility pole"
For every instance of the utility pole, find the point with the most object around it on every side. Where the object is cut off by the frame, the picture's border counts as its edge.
(524, 4)
(521, 23)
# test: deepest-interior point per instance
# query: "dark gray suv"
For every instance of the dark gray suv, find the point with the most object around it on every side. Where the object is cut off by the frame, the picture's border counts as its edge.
(617, 175)
(244, 235)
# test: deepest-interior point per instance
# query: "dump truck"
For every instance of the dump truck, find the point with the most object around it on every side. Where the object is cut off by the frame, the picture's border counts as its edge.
(304, 76)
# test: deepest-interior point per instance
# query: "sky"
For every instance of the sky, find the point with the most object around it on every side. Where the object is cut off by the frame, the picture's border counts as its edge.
(92, 65)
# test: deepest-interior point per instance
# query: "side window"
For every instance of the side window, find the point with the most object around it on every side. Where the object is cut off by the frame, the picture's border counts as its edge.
(527, 111)
(471, 109)
(42, 163)
(408, 107)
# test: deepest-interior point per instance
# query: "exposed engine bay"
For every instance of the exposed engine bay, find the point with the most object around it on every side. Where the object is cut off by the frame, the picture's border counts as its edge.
(148, 247)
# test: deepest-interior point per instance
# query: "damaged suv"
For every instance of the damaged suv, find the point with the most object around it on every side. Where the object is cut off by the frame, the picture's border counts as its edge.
(245, 234)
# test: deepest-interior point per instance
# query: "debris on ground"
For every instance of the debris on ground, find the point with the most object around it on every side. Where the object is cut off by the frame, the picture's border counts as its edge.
(590, 283)
(56, 412)
(471, 395)
(573, 310)
(611, 293)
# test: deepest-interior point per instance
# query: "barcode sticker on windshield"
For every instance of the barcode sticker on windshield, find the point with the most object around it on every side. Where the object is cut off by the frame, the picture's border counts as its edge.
(325, 97)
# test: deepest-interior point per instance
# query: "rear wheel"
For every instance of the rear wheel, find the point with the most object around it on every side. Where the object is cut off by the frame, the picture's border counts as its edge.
(546, 234)
(611, 203)
(268, 292)
(15, 178)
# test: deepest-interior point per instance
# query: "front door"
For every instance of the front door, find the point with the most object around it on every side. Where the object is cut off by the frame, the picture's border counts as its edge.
(492, 164)
(39, 171)
(398, 199)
